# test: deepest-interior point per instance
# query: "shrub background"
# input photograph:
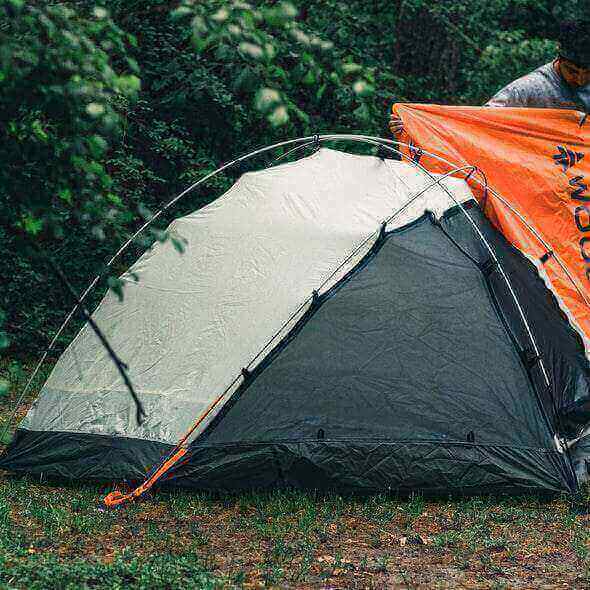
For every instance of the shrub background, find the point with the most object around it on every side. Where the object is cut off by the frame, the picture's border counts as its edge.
(183, 87)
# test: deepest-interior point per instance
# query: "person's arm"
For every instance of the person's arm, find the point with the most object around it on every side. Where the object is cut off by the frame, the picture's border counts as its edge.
(498, 101)
(513, 95)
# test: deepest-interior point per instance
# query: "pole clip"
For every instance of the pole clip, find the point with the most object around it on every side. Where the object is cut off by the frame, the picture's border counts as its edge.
(487, 267)
(316, 143)
(530, 358)
(549, 254)
(382, 152)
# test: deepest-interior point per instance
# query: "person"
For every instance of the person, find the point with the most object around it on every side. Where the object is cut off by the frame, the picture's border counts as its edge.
(563, 83)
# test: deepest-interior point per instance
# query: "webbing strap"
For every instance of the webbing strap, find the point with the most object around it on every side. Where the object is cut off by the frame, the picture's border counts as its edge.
(546, 256)
(180, 450)
(115, 498)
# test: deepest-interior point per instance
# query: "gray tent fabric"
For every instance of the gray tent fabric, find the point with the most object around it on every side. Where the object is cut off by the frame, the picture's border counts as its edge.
(457, 411)
(192, 322)
(336, 374)
(409, 369)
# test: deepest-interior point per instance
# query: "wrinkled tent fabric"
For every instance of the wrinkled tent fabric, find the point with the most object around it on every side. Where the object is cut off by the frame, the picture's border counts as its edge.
(190, 323)
(539, 161)
(409, 369)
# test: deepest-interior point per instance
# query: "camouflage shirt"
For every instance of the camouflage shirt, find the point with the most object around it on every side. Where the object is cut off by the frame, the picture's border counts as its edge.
(543, 88)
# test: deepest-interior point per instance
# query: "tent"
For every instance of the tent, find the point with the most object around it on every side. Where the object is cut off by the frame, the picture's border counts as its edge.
(341, 321)
(537, 160)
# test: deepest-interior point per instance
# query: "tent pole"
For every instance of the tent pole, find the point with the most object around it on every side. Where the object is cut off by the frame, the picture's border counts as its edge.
(300, 143)
(116, 498)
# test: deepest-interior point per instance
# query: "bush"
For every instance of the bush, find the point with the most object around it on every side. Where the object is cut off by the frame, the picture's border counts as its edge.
(88, 154)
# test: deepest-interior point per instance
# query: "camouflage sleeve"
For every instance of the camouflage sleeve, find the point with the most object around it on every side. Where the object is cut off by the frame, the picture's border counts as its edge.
(512, 95)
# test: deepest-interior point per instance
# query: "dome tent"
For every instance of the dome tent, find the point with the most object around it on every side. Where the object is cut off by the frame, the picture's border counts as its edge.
(300, 340)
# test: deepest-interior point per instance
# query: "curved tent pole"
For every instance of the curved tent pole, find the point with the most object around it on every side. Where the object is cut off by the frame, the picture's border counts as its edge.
(535, 233)
(116, 498)
(122, 249)
(300, 144)
(294, 150)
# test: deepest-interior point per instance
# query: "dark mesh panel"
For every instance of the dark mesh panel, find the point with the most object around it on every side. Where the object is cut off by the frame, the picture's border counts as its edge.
(409, 348)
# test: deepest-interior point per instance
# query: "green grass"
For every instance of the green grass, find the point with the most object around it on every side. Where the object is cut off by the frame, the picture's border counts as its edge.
(125, 571)
(55, 534)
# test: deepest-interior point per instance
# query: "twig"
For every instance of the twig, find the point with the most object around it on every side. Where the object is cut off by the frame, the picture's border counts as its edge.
(121, 366)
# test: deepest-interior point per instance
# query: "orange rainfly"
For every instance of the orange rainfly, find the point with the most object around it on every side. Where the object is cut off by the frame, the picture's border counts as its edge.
(538, 161)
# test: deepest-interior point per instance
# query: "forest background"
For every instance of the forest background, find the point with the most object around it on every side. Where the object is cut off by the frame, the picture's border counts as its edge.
(107, 111)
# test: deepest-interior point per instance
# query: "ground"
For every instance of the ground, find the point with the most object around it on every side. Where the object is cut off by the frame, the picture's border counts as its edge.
(54, 534)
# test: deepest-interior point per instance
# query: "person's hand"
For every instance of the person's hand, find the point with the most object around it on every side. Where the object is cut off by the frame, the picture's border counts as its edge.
(396, 125)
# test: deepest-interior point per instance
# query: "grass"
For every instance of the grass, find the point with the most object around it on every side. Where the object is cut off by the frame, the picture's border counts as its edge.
(56, 534)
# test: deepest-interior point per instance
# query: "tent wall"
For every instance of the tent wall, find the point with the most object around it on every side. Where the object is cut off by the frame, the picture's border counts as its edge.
(405, 376)
(410, 370)
(192, 322)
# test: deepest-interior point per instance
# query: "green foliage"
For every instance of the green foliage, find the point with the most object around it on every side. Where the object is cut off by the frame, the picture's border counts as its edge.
(57, 117)
(88, 153)
(506, 56)
(282, 67)
(58, 81)
(169, 572)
